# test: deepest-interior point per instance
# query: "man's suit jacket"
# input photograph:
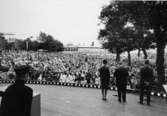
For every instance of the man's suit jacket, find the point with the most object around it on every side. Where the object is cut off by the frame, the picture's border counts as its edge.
(121, 75)
(147, 75)
(16, 100)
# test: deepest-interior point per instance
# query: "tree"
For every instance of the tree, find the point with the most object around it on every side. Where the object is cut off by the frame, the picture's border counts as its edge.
(152, 15)
(34, 45)
(47, 42)
(145, 40)
(116, 36)
(110, 42)
(20, 44)
(144, 16)
(130, 42)
(158, 18)
(3, 42)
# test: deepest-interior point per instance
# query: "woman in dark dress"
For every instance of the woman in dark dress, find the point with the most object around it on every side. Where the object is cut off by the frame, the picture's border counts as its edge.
(104, 79)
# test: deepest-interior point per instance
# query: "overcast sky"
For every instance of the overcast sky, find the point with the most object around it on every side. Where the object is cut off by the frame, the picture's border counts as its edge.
(70, 21)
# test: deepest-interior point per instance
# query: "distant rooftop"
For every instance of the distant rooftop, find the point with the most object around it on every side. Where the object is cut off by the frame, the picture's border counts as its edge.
(83, 45)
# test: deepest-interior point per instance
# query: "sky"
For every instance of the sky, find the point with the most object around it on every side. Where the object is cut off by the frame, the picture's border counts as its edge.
(69, 21)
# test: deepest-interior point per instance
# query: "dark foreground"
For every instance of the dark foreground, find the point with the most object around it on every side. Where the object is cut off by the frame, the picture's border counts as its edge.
(71, 101)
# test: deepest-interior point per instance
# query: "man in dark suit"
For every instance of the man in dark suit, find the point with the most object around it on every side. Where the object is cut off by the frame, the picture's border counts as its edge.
(121, 74)
(17, 98)
(104, 79)
(146, 80)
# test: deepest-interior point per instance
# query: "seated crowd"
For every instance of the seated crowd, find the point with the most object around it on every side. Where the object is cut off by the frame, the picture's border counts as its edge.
(64, 67)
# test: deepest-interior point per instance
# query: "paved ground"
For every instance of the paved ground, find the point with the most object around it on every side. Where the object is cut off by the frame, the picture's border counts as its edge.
(71, 101)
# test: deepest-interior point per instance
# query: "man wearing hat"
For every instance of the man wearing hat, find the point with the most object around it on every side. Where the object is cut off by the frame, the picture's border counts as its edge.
(17, 98)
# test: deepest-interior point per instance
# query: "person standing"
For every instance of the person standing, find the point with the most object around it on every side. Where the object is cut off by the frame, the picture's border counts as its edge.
(3, 68)
(11, 73)
(146, 80)
(121, 74)
(17, 98)
(88, 77)
(104, 79)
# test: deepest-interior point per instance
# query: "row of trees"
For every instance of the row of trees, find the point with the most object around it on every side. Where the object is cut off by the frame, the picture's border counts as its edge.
(131, 25)
(44, 42)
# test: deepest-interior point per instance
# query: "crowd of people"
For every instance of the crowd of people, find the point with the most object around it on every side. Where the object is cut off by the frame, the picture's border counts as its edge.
(69, 68)
(61, 67)
(65, 67)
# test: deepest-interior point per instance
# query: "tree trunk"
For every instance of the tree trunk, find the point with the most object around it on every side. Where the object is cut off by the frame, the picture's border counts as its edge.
(160, 60)
(129, 58)
(160, 40)
(145, 53)
(118, 56)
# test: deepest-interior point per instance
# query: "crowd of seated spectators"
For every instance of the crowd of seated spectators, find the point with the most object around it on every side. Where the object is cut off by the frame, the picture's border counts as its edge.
(65, 67)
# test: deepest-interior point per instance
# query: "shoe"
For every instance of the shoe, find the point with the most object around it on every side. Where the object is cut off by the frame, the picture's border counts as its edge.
(119, 100)
(141, 102)
(148, 104)
(104, 99)
(124, 101)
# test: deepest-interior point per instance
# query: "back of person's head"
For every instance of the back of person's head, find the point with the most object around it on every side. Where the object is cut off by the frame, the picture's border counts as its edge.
(147, 62)
(104, 62)
(119, 63)
(21, 71)
(124, 62)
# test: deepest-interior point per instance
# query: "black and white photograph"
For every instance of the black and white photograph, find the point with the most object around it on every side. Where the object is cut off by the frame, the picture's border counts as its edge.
(83, 58)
